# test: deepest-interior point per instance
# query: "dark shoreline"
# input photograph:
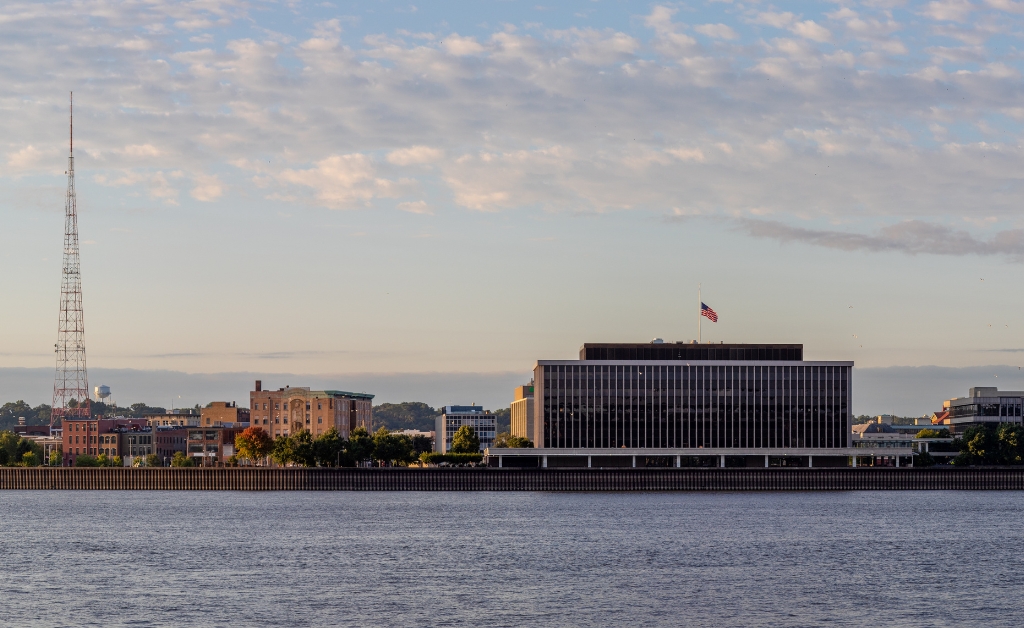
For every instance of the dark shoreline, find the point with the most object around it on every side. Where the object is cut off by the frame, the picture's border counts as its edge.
(491, 479)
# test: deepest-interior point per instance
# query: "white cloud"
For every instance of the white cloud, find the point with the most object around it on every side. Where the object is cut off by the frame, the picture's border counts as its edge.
(208, 188)
(340, 181)
(416, 207)
(719, 31)
(948, 10)
(414, 155)
(461, 46)
(808, 29)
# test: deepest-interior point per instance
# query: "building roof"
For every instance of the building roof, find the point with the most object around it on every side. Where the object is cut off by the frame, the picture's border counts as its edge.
(690, 351)
(873, 428)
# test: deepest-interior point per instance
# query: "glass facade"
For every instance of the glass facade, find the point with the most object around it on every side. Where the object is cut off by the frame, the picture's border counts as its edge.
(665, 405)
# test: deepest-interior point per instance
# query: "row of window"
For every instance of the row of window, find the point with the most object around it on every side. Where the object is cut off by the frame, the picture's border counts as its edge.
(277, 406)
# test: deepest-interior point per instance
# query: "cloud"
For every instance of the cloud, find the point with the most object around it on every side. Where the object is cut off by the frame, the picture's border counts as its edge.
(414, 155)
(340, 181)
(461, 46)
(912, 236)
(208, 188)
(948, 10)
(808, 29)
(416, 207)
(718, 31)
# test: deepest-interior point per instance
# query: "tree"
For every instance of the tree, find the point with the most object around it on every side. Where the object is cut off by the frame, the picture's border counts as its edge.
(102, 461)
(327, 448)
(503, 419)
(923, 459)
(302, 449)
(408, 415)
(422, 444)
(392, 448)
(181, 460)
(4, 457)
(281, 453)
(1011, 443)
(505, 439)
(359, 446)
(465, 441)
(153, 460)
(30, 459)
(254, 444)
(55, 457)
(117, 461)
(86, 461)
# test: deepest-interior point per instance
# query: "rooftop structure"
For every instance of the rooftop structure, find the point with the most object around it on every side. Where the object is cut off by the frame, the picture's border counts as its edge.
(690, 351)
(984, 405)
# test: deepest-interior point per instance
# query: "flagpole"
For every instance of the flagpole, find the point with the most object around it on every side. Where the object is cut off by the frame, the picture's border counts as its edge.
(700, 304)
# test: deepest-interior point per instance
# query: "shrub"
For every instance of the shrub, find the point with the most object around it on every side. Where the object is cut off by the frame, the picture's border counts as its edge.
(86, 461)
(434, 457)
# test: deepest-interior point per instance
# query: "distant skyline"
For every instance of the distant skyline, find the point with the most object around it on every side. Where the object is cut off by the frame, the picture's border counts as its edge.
(379, 188)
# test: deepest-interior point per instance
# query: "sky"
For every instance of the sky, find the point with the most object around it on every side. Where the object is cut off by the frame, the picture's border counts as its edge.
(346, 190)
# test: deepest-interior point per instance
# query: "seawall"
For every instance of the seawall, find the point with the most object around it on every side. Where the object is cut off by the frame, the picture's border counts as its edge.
(490, 479)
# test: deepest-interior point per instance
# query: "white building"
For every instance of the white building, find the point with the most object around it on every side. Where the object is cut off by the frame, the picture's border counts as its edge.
(452, 418)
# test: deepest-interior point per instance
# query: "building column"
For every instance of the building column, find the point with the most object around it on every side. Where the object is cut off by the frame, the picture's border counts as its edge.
(499, 461)
(544, 461)
(897, 461)
(679, 462)
(810, 461)
(766, 461)
(855, 462)
(634, 461)
(588, 462)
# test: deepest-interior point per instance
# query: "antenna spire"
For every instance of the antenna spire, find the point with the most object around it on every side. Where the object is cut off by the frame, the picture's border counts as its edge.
(71, 381)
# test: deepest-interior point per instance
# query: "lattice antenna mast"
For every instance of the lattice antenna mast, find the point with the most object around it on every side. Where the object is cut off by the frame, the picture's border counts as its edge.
(71, 384)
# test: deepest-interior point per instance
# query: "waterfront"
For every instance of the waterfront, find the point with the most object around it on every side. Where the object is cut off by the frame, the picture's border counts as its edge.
(310, 559)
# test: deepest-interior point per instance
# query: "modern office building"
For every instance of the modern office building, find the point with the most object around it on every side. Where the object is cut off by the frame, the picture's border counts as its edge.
(660, 404)
(521, 411)
(452, 418)
(983, 405)
(292, 409)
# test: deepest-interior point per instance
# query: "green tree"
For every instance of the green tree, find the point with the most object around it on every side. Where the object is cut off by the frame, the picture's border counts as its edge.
(928, 433)
(1011, 444)
(117, 461)
(503, 419)
(302, 449)
(391, 448)
(55, 457)
(422, 444)
(465, 441)
(327, 448)
(282, 450)
(30, 459)
(179, 459)
(505, 439)
(923, 459)
(4, 457)
(102, 460)
(153, 460)
(86, 461)
(408, 415)
(359, 446)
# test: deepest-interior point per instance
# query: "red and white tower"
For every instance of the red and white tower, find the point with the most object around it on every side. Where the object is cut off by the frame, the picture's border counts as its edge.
(71, 384)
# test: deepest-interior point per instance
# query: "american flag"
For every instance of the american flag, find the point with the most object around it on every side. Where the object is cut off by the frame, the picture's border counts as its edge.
(709, 313)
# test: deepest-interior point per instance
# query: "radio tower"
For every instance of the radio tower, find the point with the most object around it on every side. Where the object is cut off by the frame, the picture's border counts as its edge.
(71, 384)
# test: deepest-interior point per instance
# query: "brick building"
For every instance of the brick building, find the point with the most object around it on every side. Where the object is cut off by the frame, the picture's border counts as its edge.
(223, 413)
(97, 436)
(291, 409)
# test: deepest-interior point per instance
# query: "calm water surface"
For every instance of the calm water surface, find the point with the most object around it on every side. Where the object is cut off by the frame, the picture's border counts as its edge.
(511, 559)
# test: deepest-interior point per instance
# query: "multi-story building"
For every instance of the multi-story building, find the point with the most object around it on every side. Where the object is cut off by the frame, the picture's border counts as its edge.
(983, 405)
(521, 411)
(291, 409)
(211, 446)
(169, 440)
(660, 404)
(96, 436)
(181, 417)
(223, 413)
(452, 418)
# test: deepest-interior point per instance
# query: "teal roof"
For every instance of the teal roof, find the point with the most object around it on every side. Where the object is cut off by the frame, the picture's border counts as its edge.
(342, 393)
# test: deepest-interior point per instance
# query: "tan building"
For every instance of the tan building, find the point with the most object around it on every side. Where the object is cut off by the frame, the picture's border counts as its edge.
(182, 418)
(521, 412)
(291, 409)
(223, 414)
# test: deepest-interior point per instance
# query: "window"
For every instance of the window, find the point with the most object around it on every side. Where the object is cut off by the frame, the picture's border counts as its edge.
(277, 420)
(318, 407)
(264, 406)
(319, 419)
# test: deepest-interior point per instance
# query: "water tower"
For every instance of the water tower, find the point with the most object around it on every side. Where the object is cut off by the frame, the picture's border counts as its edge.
(102, 392)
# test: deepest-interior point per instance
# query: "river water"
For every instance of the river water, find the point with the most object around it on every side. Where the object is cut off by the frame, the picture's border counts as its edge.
(511, 559)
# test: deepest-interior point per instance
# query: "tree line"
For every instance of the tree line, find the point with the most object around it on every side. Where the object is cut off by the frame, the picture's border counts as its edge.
(329, 449)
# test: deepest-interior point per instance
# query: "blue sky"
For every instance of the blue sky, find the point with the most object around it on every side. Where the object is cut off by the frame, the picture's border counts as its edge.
(381, 187)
